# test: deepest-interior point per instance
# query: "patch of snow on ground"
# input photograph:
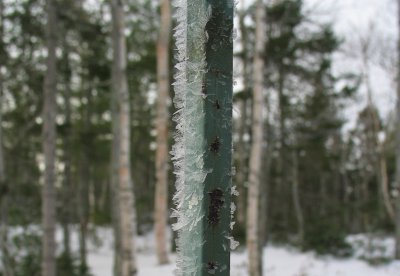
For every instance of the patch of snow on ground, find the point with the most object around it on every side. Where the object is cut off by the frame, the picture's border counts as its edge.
(278, 261)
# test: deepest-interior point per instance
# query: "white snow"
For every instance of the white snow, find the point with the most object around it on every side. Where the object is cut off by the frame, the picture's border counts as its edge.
(278, 260)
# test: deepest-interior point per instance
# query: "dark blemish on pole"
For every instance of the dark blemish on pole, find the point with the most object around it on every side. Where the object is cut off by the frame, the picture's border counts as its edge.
(216, 203)
(212, 267)
(204, 87)
(217, 105)
(215, 145)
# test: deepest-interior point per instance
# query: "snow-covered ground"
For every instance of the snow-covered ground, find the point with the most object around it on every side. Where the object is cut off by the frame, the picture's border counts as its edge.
(278, 260)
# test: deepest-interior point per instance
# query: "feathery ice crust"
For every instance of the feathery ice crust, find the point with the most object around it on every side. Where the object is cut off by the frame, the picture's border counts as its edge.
(203, 150)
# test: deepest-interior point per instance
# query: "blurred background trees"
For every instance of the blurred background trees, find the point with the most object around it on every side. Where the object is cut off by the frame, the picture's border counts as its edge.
(319, 181)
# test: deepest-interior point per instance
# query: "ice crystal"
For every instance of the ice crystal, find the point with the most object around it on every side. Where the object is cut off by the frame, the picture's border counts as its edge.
(232, 243)
(234, 191)
(188, 150)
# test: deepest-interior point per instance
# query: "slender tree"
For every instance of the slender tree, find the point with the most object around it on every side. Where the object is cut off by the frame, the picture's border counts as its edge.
(161, 196)
(398, 144)
(84, 180)
(65, 215)
(5, 256)
(296, 197)
(255, 172)
(203, 150)
(3, 185)
(124, 214)
(375, 127)
(49, 145)
(241, 151)
(2, 169)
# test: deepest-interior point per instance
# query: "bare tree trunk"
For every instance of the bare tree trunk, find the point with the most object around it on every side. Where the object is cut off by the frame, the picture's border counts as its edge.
(365, 201)
(265, 187)
(398, 146)
(346, 188)
(3, 184)
(115, 183)
(66, 188)
(384, 181)
(84, 183)
(242, 164)
(126, 261)
(296, 198)
(253, 215)
(323, 192)
(161, 193)
(5, 257)
(241, 150)
(381, 161)
(2, 169)
(49, 146)
(281, 178)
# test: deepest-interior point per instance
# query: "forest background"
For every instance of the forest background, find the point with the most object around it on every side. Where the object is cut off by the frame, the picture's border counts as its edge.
(329, 163)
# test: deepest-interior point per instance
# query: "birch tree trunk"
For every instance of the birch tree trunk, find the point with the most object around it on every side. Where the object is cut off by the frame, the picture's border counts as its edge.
(242, 124)
(161, 193)
(49, 145)
(253, 215)
(125, 211)
(241, 174)
(398, 145)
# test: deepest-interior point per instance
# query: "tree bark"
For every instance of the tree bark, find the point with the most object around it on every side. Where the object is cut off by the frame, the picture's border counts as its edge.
(241, 147)
(84, 181)
(398, 145)
(265, 180)
(253, 216)
(49, 145)
(4, 190)
(281, 182)
(66, 188)
(296, 198)
(5, 259)
(125, 255)
(2, 169)
(381, 161)
(242, 164)
(161, 193)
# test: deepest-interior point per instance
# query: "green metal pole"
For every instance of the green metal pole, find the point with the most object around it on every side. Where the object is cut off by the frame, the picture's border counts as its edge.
(203, 149)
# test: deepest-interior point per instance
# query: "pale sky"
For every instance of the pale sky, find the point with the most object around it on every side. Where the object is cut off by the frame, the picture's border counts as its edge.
(356, 19)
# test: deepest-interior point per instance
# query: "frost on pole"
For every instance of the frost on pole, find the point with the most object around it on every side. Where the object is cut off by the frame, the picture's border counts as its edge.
(203, 150)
